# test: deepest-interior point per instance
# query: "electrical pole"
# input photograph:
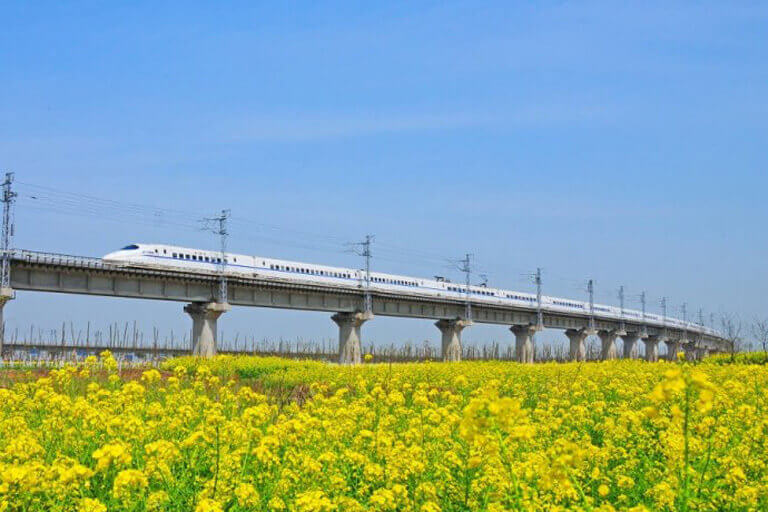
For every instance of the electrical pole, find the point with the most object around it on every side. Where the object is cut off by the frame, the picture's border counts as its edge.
(219, 227)
(664, 312)
(684, 311)
(367, 254)
(8, 197)
(364, 249)
(642, 301)
(539, 312)
(621, 303)
(591, 290)
(466, 267)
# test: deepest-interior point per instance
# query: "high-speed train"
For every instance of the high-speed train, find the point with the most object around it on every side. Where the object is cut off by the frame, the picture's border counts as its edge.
(240, 265)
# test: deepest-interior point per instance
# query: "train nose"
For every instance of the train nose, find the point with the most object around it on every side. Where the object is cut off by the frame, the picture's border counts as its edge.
(115, 256)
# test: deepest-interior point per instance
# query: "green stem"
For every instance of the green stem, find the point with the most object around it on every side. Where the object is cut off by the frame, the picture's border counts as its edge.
(216, 476)
(686, 448)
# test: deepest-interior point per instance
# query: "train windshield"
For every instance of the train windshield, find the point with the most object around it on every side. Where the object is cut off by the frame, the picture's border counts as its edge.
(131, 247)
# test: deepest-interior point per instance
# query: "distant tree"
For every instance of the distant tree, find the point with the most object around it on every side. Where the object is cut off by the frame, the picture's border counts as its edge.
(732, 327)
(760, 332)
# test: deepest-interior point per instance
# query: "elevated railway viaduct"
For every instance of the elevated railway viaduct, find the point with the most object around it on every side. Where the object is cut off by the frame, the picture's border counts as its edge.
(44, 272)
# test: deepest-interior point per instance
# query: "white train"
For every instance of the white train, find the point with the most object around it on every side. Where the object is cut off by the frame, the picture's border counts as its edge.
(197, 260)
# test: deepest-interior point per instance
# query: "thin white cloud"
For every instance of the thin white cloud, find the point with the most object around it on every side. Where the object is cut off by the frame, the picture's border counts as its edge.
(336, 127)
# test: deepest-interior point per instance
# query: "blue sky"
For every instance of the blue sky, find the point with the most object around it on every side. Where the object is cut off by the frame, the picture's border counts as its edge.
(619, 141)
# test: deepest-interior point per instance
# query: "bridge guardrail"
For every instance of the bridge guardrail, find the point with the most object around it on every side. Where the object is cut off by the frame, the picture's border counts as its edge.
(57, 258)
(97, 263)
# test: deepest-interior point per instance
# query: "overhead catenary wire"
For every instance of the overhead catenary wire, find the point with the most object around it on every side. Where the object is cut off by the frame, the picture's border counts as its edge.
(48, 199)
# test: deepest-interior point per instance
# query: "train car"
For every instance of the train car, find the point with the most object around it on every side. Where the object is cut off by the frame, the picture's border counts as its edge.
(239, 265)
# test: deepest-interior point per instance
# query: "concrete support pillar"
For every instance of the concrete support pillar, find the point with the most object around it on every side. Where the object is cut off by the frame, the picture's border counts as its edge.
(608, 344)
(6, 294)
(578, 348)
(524, 349)
(652, 348)
(673, 347)
(451, 330)
(204, 318)
(630, 345)
(350, 351)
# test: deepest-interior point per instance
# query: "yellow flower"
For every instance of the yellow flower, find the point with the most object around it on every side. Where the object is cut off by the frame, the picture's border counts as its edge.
(208, 505)
(128, 482)
(150, 376)
(91, 505)
(156, 501)
(111, 454)
(247, 496)
(314, 501)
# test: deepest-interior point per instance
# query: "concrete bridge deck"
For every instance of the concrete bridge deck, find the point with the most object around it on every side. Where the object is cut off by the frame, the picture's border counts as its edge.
(45, 272)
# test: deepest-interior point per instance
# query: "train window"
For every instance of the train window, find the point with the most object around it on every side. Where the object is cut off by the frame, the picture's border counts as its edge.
(131, 247)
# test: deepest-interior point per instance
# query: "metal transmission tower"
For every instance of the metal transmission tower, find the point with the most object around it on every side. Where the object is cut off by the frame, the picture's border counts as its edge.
(218, 226)
(621, 314)
(536, 278)
(591, 290)
(364, 249)
(539, 312)
(8, 197)
(466, 267)
(643, 302)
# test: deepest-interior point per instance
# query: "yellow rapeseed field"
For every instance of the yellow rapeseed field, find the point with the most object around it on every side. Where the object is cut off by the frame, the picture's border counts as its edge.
(246, 433)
